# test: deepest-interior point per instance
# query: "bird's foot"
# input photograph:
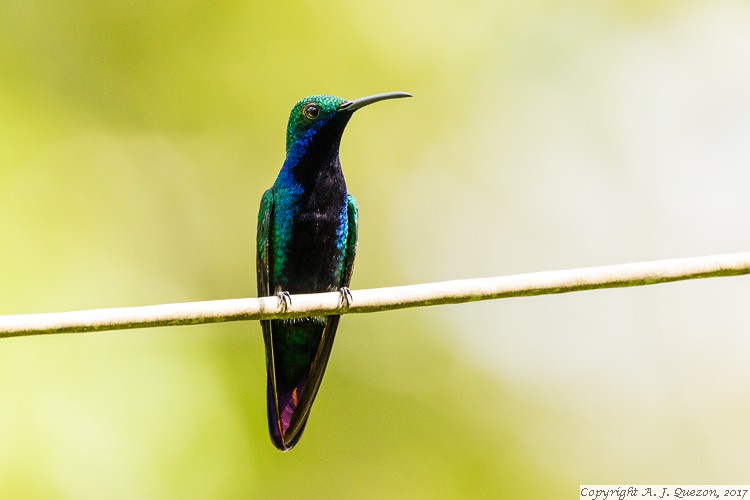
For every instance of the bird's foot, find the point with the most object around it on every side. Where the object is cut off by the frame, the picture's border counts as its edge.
(285, 300)
(346, 297)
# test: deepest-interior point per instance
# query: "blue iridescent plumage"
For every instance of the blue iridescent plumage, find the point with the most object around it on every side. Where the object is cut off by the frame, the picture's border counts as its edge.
(307, 238)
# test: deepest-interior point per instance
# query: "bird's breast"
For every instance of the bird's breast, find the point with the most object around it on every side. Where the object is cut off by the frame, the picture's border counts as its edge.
(313, 254)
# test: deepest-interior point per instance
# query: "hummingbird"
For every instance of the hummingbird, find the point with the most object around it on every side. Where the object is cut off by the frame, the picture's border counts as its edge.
(307, 240)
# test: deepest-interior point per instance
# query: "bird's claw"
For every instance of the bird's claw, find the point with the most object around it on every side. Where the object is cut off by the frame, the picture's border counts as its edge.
(285, 300)
(346, 297)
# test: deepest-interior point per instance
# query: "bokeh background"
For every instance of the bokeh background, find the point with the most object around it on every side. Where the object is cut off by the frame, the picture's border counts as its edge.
(136, 139)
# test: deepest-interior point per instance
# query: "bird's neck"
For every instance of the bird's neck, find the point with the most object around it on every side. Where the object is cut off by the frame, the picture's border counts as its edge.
(313, 156)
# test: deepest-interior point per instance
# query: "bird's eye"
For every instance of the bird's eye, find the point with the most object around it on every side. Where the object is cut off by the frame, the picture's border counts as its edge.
(311, 111)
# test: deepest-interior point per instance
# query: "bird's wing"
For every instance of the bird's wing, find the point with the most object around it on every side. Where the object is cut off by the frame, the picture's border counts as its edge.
(351, 241)
(263, 251)
(263, 273)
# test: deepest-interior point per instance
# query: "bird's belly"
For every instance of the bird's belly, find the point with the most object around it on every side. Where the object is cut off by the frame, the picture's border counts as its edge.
(314, 254)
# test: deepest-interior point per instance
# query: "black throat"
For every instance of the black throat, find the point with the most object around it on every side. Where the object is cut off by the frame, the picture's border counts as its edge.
(322, 155)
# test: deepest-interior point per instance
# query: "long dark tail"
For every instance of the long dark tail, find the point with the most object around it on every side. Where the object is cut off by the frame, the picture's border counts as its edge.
(297, 355)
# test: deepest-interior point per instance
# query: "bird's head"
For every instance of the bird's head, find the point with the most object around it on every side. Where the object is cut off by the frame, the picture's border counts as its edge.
(325, 115)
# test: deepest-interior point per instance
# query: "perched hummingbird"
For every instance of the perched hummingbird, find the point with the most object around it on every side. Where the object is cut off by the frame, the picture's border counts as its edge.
(307, 239)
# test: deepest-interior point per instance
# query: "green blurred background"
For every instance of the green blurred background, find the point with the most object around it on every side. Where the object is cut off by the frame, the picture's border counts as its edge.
(136, 139)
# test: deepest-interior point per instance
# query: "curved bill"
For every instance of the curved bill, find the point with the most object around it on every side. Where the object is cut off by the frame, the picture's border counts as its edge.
(355, 104)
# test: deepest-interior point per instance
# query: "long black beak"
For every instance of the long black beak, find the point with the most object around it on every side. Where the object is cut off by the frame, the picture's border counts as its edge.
(364, 101)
